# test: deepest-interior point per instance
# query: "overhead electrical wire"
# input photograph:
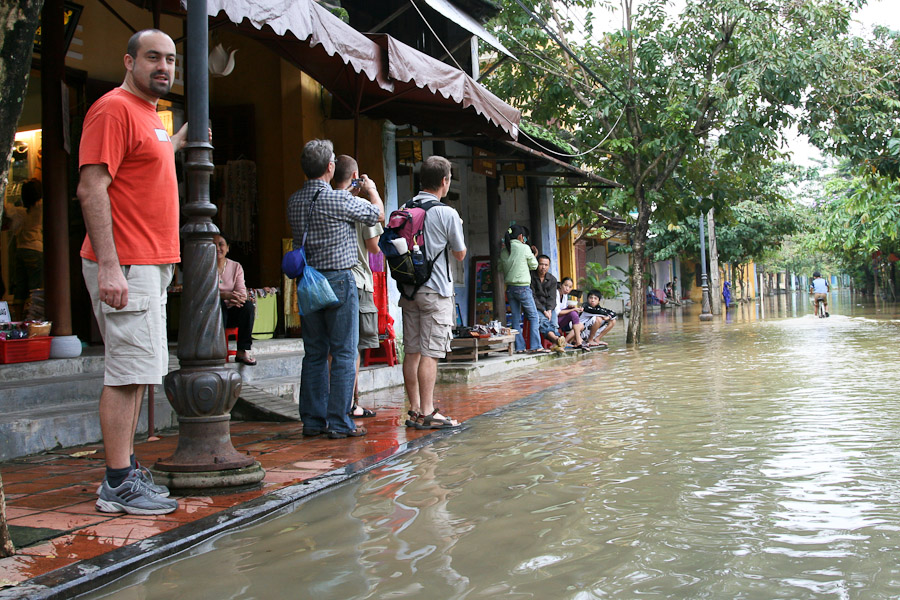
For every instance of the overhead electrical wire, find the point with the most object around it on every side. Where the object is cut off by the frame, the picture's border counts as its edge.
(568, 51)
(500, 112)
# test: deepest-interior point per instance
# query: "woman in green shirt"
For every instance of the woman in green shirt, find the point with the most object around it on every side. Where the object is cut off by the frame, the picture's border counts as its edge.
(517, 261)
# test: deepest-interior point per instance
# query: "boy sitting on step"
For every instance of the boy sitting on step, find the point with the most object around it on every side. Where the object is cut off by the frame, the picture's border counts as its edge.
(597, 321)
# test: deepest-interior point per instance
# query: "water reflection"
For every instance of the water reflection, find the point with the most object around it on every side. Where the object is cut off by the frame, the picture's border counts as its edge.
(749, 457)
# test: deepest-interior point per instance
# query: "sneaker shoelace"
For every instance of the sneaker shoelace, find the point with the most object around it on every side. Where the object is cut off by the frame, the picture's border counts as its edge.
(144, 473)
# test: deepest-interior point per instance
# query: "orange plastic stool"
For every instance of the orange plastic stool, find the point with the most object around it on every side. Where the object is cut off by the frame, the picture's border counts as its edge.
(230, 332)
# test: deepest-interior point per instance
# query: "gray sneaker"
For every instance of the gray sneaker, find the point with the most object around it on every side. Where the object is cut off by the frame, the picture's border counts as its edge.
(147, 477)
(133, 497)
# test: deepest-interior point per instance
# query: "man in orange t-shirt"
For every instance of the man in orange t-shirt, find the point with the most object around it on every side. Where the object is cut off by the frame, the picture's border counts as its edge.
(129, 198)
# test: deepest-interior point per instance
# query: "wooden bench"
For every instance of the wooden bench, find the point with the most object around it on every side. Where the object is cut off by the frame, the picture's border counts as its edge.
(469, 349)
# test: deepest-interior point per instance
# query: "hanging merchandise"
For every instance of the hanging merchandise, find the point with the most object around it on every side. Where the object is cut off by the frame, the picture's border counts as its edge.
(409, 152)
(238, 204)
(514, 182)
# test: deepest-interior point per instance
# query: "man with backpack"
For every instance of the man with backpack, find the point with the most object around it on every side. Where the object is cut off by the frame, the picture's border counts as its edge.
(428, 307)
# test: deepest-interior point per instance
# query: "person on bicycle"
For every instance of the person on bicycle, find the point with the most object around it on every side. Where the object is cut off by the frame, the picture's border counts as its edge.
(819, 288)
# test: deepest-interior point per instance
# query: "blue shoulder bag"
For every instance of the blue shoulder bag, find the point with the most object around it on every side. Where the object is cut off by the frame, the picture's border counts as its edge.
(313, 290)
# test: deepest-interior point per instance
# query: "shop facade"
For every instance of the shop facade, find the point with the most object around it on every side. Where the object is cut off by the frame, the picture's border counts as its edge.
(282, 90)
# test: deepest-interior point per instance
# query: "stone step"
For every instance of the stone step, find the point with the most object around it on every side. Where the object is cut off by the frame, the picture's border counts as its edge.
(54, 403)
(256, 404)
(91, 360)
(64, 425)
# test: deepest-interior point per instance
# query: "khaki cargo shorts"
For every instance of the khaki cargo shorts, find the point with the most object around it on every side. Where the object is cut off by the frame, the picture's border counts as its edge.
(427, 324)
(137, 348)
(368, 321)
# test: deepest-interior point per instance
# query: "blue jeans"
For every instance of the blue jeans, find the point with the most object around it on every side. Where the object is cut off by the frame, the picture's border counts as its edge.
(547, 325)
(520, 299)
(326, 398)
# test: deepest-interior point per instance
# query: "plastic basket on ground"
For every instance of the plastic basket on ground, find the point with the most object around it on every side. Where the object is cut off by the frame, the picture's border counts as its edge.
(27, 350)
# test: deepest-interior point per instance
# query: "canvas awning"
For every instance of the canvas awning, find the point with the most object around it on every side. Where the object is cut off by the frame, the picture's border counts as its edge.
(357, 69)
(377, 76)
(436, 90)
(319, 30)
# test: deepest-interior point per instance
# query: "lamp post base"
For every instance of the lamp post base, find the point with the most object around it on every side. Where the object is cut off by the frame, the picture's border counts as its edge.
(206, 483)
(204, 444)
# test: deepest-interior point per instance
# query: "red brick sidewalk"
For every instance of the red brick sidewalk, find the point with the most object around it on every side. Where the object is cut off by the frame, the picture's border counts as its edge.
(58, 490)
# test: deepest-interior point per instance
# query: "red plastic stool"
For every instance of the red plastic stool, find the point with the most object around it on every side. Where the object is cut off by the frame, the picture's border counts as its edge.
(230, 332)
(526, 333)
(385, 353)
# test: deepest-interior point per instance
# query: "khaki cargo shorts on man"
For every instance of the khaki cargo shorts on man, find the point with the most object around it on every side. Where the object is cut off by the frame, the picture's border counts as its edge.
(427, 324)
(368, 321)
(137, 348)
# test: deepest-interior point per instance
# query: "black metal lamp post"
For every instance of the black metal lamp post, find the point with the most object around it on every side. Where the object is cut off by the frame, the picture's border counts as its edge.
(705, 313)
(202, 391)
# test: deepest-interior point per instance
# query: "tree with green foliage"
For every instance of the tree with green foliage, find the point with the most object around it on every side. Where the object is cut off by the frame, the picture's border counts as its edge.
(853, 109)
(644, 98)
(860, 223)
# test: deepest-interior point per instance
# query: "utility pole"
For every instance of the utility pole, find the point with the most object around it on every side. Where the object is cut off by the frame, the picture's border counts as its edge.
(705, 315)
(715, 287)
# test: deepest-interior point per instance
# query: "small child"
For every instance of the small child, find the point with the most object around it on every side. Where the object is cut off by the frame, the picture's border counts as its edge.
(597, 321)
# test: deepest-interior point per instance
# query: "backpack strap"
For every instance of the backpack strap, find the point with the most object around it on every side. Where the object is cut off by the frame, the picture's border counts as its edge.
(426, 206)
(416, 202)
(309, 216)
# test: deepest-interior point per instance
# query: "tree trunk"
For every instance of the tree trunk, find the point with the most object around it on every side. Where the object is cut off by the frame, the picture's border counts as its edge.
(715, 284)
(638, 298)
(20, 20)
(761, 273)
(6, 545)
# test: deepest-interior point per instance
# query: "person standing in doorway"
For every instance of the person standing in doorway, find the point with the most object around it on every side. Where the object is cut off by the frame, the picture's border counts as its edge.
(327, 219)
(27, 228)
(129, 197)
(428, 317)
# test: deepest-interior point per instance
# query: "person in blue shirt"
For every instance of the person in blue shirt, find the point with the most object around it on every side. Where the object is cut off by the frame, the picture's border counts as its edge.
(819, 288)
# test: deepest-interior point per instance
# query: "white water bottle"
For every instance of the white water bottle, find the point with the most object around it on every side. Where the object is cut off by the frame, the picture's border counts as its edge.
(401, 246)
(417, 258)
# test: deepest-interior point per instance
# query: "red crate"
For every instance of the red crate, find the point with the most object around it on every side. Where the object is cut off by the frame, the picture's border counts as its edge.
(17, 351)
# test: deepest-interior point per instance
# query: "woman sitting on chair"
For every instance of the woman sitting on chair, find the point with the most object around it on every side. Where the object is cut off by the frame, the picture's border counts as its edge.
(237, 309)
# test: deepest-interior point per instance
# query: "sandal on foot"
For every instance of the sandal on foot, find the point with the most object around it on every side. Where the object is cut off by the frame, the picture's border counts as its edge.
(365, 414)
(432, 422)
(246, 360)
(414, 418)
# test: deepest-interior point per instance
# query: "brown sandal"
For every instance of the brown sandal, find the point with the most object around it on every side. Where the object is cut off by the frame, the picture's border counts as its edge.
(414, 418)
(432, 422)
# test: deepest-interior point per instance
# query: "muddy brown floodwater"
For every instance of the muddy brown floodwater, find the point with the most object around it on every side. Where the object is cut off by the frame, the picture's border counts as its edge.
(753, 457)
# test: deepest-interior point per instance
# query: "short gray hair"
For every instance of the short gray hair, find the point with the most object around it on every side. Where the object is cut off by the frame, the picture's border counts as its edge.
(316, 156)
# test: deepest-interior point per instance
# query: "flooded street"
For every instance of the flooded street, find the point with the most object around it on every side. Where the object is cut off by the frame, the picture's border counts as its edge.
(753, 457)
